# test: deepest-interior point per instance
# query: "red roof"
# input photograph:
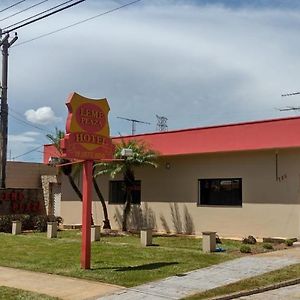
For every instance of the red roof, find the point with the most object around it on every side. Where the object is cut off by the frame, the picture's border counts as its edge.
(258, 135)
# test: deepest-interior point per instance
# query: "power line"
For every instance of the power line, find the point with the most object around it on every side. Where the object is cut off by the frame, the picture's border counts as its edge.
(77, 23)
(38, 14)
(27, 123)
(11, 6)
(30, 125)
(25, 9)
(43, 17)
(28, 152)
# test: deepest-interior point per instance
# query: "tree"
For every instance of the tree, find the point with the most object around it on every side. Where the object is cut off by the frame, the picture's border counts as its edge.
(73, 170)
(67, 170)
(141, 156)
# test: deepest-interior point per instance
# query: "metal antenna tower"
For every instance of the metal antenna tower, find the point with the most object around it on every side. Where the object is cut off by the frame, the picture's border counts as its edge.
(290, 107)
(133, 124)
(161, 123)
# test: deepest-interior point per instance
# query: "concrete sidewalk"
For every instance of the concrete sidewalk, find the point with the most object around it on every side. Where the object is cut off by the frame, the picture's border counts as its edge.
(174, 287)
(287, 293)
(177, 287)
(66, 288)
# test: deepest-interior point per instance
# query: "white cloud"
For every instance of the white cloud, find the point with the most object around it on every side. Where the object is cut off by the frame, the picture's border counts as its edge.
(32, 133)
(43, 115)
(195, 64)
(20, 138)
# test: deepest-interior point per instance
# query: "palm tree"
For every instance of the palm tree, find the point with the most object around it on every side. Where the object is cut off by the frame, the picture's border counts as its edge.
(141, 156)
(72, 171)
(67, 170)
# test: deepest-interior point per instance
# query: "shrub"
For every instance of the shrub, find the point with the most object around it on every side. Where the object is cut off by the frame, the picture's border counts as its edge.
(251, 240)
(268, 246)
(245, 249)
(59, 221)
(29, 222)
(40, 223)
(26, 220)
(289, 242)
(5, 223)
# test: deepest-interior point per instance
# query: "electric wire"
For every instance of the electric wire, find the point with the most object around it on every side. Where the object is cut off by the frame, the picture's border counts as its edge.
(28, 152)
(4, 9)
(38, 14)
(43, 17)
(76, 23)
(28, 124)
(25, 9)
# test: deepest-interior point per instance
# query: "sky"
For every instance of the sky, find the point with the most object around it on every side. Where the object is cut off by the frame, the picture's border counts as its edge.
(198, 63)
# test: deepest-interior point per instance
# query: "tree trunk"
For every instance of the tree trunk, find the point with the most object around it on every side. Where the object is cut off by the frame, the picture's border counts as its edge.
(106, 222)
(78, 192)
(127, 209)
(129, 184)
(75, 187)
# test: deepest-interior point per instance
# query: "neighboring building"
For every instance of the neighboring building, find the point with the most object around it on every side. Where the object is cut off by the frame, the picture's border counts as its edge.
(236, 179)
(27, 175)
(31, 188)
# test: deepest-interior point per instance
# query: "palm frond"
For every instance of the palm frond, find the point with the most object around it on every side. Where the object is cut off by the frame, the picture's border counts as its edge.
(142, 155)
(55, 139)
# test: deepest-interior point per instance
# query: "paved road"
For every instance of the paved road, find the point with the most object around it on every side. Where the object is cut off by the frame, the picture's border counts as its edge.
(286, 293)
(208, 278)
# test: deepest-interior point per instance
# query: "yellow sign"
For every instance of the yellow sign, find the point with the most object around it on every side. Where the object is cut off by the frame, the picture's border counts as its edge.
(87, 129)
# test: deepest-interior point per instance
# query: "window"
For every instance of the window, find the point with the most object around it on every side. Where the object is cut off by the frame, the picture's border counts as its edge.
(225, 191)
(117, 192)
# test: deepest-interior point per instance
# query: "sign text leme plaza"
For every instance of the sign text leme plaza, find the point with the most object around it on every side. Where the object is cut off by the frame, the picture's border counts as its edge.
(87, 129)
(87, 138)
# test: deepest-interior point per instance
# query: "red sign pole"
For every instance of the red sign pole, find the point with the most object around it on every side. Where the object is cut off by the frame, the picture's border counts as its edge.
(87, 139)
(86, 214)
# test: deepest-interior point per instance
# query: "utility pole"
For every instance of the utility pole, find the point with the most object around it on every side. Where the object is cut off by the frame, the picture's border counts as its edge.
(5, 44)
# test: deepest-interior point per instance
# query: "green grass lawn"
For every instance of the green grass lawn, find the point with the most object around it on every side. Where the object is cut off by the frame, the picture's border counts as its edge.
(7, 293)
(118, 260)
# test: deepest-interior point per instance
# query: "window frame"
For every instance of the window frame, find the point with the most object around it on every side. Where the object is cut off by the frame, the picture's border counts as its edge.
(200, 202)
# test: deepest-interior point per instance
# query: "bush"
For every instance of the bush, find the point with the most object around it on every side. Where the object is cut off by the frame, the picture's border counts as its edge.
(251, 240)
(268, 246)
(289, 243)
(29, 222)
(59, 221)
(5, 224)
(40, 223)
(245, 249)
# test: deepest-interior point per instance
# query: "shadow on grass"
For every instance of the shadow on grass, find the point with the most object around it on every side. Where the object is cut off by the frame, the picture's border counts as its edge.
(151, 266)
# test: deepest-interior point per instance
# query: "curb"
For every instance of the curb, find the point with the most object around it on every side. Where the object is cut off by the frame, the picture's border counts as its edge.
(258, 290)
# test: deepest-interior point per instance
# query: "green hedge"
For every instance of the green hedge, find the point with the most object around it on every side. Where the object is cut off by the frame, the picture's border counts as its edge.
(29, 222)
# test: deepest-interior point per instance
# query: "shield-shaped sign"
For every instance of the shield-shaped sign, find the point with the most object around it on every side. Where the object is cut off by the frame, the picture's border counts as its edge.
(87, 129)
